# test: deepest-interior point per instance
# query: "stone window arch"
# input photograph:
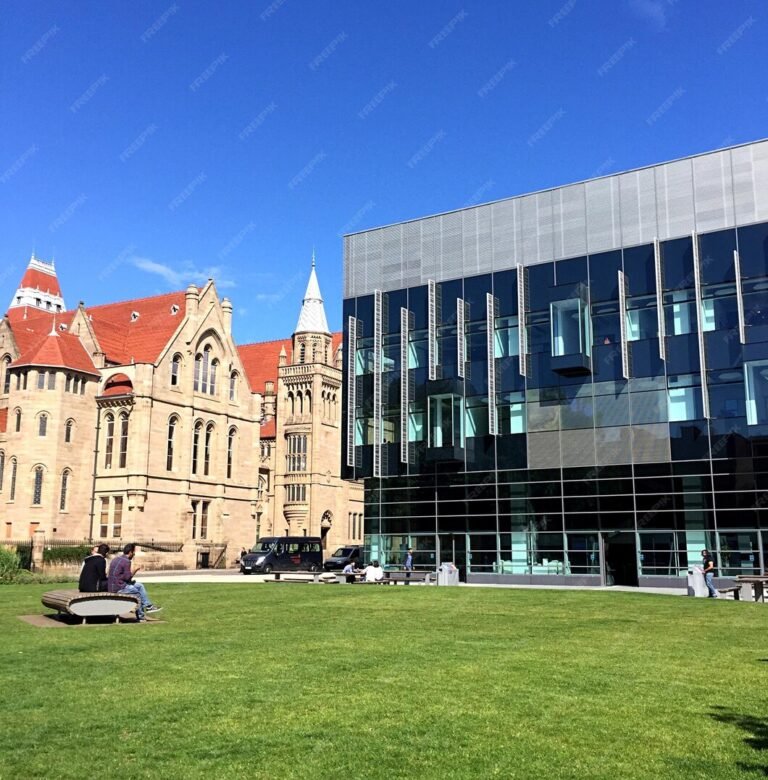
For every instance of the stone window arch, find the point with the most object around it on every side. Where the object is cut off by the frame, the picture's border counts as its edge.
(173, 424)
(17, 416)
(208, 449)
(123, 455)
(109, 439)
(197, 431)
(176, 364)
(65, 475)
(14, 472)
(231, 438)
(69, 430)
(37, 486)
(6, 366)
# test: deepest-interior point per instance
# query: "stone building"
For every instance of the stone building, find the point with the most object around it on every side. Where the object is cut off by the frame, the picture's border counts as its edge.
(140, 420)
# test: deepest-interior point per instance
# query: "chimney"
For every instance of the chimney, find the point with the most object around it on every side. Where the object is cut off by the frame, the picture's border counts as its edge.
(226, 312)
(193, 299)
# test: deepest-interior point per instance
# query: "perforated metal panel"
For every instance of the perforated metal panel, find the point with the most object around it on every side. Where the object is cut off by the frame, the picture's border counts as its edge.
(405, 394)
(351, 388)
(432, 329)
(650, 443)
(490, 335)
(461, 341)
(658, 266)
(522, 308)
(544, 450)
(613, 446)
(578, 448)
(377, 345)
(704, 193)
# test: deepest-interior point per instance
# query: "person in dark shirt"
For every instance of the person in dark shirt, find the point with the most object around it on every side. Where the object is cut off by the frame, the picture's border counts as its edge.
(121, 581)
(93, 575)
(708, 567)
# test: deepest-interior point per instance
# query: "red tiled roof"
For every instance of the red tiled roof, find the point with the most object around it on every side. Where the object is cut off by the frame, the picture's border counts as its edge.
(39, 280)
(29, 325)
(125, 339)
(118, 384)
(261, 361)
(58, 350)
(3, 420)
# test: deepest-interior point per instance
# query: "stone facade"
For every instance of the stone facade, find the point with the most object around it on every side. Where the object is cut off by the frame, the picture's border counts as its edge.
(141, 421)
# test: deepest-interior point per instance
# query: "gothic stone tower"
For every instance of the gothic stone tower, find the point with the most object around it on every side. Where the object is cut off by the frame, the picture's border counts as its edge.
(310, 495)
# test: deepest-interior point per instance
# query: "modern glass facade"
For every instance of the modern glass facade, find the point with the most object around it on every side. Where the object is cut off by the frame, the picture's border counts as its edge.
(569, 386)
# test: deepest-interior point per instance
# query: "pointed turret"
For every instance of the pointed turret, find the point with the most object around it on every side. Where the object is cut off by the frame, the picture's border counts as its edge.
(39, 288)
(312, 317)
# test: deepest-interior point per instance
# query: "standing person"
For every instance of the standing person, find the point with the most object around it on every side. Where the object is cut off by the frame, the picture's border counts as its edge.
(93, 575)
(408, 566)
(708, 568)
(121, 581)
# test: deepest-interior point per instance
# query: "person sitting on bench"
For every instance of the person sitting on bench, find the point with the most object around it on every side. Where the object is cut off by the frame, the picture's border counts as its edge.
(373, 572)
(121, 581)
(93, 575)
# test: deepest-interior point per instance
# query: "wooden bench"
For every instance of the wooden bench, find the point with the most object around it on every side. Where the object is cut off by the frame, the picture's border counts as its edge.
(85, 605)
(734, 589)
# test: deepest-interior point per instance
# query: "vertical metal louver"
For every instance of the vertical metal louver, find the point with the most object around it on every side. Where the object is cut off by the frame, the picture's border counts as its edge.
(522, 308)
(432, 328)
(660, 298)
(377, 315)
(461, 342)
(490, 324)
(739, 297)
(404, 381)
(700, 324)
(351, 389)
(626, 358)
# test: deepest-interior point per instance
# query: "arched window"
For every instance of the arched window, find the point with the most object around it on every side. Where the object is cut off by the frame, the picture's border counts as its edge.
(198, 370)
(2, 469)
(333, 407)
(14, 469)
(207, 454)
(123, 440)
(214, 372)
(308, 402)
(172, 423)
(68, 384)
(63, 495)
(175, 370)
(299, 402)
(302, 352)
(109, 440)
(42, 425)
(18, 420)
(232, 385)
(206, 365)
(196, 445)
(76, 385)
(82, 386)
(291, 403)
(7, 374)
(37, 492)
(68, 429)
(230, 450)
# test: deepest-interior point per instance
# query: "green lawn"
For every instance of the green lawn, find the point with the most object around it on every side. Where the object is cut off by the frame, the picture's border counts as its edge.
(342, 682)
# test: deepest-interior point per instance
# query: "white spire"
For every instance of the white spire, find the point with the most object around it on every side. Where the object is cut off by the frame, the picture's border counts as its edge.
(312, 318)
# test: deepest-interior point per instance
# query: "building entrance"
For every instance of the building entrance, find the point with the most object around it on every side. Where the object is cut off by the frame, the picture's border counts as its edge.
(453, 548)
(620, 556)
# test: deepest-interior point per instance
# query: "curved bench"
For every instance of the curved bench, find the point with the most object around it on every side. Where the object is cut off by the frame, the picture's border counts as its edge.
(85, 605)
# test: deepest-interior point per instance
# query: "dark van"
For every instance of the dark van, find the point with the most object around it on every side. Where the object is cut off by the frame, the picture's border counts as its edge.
(283, 553)
(342, 557)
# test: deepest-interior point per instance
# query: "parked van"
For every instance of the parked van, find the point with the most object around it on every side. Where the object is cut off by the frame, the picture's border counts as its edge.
(283, 553)
(342, 557)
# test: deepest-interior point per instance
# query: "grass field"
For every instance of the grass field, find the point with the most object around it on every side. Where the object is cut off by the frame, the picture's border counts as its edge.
(307, 681)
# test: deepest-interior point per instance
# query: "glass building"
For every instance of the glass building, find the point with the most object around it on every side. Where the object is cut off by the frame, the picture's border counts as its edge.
(569, 386)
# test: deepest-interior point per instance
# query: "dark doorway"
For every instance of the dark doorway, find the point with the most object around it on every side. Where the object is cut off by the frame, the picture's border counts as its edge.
(453, 548)
(620, 559)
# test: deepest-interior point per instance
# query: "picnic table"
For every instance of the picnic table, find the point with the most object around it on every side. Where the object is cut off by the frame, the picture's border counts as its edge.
(758, 583)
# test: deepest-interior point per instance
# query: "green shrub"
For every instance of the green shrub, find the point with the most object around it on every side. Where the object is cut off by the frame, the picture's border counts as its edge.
(9, 562)
(66, 554)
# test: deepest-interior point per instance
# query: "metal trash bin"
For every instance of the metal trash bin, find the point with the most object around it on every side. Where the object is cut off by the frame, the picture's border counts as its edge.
(447, 574)
(696, 584)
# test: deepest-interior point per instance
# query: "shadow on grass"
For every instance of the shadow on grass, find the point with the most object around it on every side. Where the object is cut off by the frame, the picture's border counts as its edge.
(756, 729)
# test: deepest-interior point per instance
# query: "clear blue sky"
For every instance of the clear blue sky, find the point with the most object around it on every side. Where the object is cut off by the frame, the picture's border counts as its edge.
(146, 145)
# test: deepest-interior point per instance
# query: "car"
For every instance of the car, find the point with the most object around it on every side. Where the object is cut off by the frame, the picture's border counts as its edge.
(283, 553)
(342, 557)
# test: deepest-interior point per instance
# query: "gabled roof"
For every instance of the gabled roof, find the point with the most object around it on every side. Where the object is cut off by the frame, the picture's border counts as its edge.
(138, 330)
(57, 350)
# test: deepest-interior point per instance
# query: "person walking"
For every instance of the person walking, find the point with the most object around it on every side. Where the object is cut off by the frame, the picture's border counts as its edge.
(408, 565)
(121, 581)
(708, 569)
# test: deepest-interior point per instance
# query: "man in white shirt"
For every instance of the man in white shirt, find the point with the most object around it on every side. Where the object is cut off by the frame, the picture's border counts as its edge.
(373, 572)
